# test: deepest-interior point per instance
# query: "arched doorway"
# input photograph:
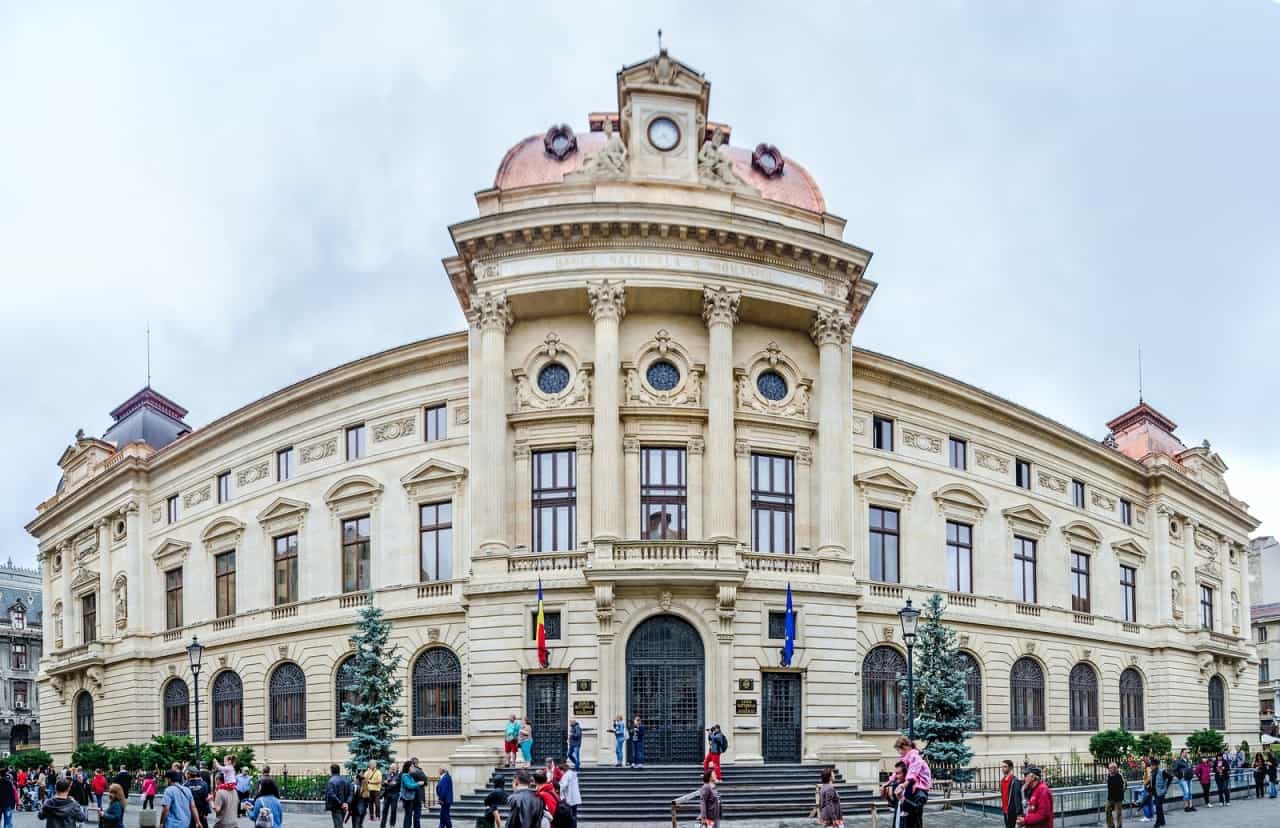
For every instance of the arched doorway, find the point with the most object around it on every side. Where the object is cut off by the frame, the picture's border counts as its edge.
(19, 738)
(666, 681)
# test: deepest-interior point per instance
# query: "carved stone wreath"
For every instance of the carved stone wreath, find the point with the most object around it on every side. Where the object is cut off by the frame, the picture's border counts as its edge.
(767, 160)
(795, 403)
(575, 393)
(560, 142)
(638, 390)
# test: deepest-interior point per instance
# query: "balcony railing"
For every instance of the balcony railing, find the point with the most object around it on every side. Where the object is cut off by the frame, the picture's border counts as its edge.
(1027, 609)
(354, 599)
(664, 550)
(436, 589)
(547, 561)
(771, 562)
(885, 591)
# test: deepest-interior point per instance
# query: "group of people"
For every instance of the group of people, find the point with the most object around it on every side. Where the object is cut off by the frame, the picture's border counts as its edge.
(1216, 771)
(549, 796)
(375, 796)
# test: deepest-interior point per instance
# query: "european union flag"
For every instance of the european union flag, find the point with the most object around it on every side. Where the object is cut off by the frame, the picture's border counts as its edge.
(789, 646)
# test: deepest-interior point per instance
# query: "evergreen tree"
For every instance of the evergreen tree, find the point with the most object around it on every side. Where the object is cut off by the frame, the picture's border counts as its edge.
(375, 713)
(943, 713)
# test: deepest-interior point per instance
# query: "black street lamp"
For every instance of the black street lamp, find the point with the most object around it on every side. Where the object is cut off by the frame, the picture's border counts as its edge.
(910, 616)
(195, 651)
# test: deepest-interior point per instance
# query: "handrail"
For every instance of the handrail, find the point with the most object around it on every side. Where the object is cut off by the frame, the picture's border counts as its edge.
(868, 807)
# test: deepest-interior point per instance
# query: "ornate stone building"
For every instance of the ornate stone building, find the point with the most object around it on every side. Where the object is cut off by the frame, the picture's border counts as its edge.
(20, 648)
(1264, 587)
(657, 413)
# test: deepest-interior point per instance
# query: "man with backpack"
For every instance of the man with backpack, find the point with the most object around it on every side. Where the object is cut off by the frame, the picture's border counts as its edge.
(337, 796)
(717, 743)
(199, 798)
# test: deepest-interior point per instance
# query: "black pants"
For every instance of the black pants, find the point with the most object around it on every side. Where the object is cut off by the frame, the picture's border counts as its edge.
(1205, 790)
(413, 813)
(389, 810)
(337, 816)
(149, 802)
(1159, 810)
(1011, 820)
(446, 819)
(1224, 790)
(1259, 782)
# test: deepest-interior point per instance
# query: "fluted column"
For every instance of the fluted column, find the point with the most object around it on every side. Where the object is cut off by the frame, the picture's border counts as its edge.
(491, 314)
(106, 599)
(720, 311)
(1160, 582)
(608, 306)
(1191, 600)
(70, 614)
(831, 332)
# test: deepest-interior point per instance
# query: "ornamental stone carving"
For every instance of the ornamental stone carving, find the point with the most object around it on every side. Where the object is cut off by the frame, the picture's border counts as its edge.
(1103, 502)
(859, 425)
(610, 161)
(720, 306)
(923, 442)
(608, 300)
(794, 405)
(576, 395)
(196, 497)
(120, 592)
(664, 600)
(319, 451)
(155, 510)
(1209, 569)
(461, 415)
(989, 461)
(1051, 482)
(394, 429)
(254, 473)
(714, 167)
(697, 446)
(688, 392)
(491, 311)
(1175, 590)
(741, 448)
(831, 327)
(586, 445)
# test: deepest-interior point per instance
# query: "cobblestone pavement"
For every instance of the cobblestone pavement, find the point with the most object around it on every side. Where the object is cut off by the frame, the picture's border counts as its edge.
(1246, 813)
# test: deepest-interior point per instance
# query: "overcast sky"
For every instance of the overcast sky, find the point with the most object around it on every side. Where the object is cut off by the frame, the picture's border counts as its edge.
(1045, 186)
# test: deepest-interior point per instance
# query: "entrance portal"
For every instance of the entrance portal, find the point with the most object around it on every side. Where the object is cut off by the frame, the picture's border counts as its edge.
(548, 706)
(665, 688)
(781, 718)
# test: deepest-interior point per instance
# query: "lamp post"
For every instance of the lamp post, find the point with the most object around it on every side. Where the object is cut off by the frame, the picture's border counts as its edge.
(195, 651)
(910, 616)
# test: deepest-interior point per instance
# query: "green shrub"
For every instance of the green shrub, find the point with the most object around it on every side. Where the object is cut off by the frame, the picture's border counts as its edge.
(243, 753)
(1154, 744)
(92, 756)
(1107, 745)
(1207, 742)
(30, 759)
(132, 756)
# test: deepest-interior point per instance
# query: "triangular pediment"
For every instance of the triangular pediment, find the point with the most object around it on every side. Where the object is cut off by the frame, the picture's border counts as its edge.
(170, 548)
(353, 486)
(886, 478)
(433, 471)
(283, 507)
(1129, 547)
(84, 578)
(1082, 532)
(958, 494)
(1027, 513)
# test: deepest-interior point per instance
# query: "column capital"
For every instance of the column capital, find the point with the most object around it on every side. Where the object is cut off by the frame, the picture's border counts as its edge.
(608, 299)
(720, 305)
(585, 445)
(631, 445)
(831, 327)
(490, 311)
(697, 445)
(741, 448)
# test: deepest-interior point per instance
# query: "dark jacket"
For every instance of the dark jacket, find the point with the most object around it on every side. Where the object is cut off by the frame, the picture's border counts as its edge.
(337, 791)
(1115, 787)
(8, 793)
(124, 780)
(444, 789)
(79, 791)
(112, 815)
(718, 742)
(525, 809)
(575, 734)
(199, 794)
(420, 777)
(1011, 795)
(61, 813)
(829, 812)
(637, 733)
(1181, 768)
(391, 785)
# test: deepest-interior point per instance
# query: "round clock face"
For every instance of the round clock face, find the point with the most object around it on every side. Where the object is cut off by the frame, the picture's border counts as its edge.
(664, 134)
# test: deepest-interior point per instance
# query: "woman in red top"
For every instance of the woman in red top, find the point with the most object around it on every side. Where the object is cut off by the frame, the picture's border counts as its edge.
(99, 786)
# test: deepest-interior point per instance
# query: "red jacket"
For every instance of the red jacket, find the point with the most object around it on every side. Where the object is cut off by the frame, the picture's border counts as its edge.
(1004, 792)
(1040, 807)
(99, 783)
(547, 793)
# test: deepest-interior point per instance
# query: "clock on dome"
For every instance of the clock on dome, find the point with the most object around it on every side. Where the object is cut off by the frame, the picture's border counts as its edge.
(663, 133)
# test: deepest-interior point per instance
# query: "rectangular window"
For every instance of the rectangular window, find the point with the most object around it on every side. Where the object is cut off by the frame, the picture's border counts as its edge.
(435, 541)
(882, 433)
(1206, 607)
(1024, 570)
(20, 692)
(286, 568)
(555, 500)
(171, 509)
(959, 453)
(355, 442)
(1129, 594)
(19, 655)
(224, 487)
(552, 621)
(355, 554)
(1079, 582)
(284, 464)
(778, 625)
(1077, 493)
(1022, 473)
(224, 584)
(884, 544)
(173, 599)
(663, 494)
(1126, 512)
(1262, 633)
(89, 617)
(435, 422)
(18, 620)
(959, 557)
(1264, 671)
(773, 504)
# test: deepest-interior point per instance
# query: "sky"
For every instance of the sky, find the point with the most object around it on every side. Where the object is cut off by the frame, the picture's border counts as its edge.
(1046, 186)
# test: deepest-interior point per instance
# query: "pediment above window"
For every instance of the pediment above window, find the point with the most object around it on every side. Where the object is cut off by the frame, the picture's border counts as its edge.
(885, 486)
(959, 500)
(433, 477)
(84, 578)
(283, 513)
(1027, 520)
(358, 492)
(223, 534)
(1081, 535)
(1129, 552)
(171, 553)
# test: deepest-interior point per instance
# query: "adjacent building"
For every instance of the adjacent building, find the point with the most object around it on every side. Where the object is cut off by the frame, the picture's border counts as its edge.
(1264, 576)
(20, 650)
(657, 416)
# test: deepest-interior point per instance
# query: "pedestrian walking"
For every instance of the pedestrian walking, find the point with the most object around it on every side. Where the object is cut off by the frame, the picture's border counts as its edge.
(373, 781)
(570, 792)
(225, 809)
(199, 795)
(545, 790)
(1222, 776)
(525, 806)
(267, 801)
(390, 797)
(124, 779)
(1010, 795)
(1205, 775)
(511, 741)
(526, 741)
(709, 801)
(717, 744)
(494, 802)
(1039, 800)
(8, 796)
(619, 737)
(1182, 770)
(337, 796)
(149, 791)
(1271, 774)
(60, 810)
(99, 787)
(420, 800)
(177, 806)
(829, 811)
(575, 744)
(1161, 779)
(637, 743)
(444, 796)
(359, 800)
(409, 796)
(244, 783)
(914, 791)
(1259, 775)
(1115, 796)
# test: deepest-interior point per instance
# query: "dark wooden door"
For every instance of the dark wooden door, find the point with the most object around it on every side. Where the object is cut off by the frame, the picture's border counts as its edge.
(781, 717)
(548, 706)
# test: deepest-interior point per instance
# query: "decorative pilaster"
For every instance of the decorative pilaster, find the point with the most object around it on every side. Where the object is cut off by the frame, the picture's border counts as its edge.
(831, 331)
(1191, 595)
(106, 599)
(720, 311)
(491, 314)
(631, 484)
(70, 612)
(806, 502)
(585, 448)
(608, 306)
(523, 492)
(742, 476)
(695, 451)
(1158, 581)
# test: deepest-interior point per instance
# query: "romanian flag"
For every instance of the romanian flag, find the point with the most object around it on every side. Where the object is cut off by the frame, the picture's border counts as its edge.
(543, 658)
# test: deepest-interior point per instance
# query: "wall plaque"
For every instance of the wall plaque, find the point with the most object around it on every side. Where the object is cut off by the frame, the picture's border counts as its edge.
(584, 708)
(746, 684)
(584, 685)
(745, 707)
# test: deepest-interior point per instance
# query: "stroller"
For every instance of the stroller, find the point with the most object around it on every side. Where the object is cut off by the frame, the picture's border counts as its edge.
(29, 801)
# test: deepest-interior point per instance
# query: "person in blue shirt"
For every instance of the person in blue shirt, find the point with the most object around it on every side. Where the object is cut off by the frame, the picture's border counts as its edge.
(269, 798)
(177, 804)
(444, 795)
(243, 784)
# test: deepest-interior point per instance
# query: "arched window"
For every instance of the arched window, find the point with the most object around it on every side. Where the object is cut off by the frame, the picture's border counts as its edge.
(1083, 687)
(84, 719)
(973, 685)
(883, 705)
(437, 693)
(228, 707)
(1026, 695)
(1217, 703)
(1131, 718)
(344, 691)
(177, 707)
(288, 692)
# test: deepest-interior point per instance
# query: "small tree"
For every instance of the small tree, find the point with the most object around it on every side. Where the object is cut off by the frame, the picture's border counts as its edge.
(30, 759)
(92, 756)
(1106, 745)
(132, 756)
(943, 714)
(375, 714)
(1207, 742)
(1154, 744)
(168, 748)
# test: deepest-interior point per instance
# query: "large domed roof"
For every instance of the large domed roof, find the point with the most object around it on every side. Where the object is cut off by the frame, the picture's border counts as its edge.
(529, 164)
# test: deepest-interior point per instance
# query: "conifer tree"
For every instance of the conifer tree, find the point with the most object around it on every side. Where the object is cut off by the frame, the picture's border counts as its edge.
(375, 713)
(943, 713)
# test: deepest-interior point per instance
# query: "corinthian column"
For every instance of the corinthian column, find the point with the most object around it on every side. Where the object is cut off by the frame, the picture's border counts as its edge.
(491, 315)
(106, 599)
(608, 306)
(720, 310)
(831, 332)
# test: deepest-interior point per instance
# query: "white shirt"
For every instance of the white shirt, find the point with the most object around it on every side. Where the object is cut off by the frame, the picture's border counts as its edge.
(569, 788)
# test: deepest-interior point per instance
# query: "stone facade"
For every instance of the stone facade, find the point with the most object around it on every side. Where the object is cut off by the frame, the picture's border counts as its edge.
(20, 649)
(658, 415)
(1264, 579)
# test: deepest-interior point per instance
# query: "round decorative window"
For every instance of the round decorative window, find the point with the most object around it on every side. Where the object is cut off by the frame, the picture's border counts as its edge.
(772, 386)
(553, 378)
(662, 375)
